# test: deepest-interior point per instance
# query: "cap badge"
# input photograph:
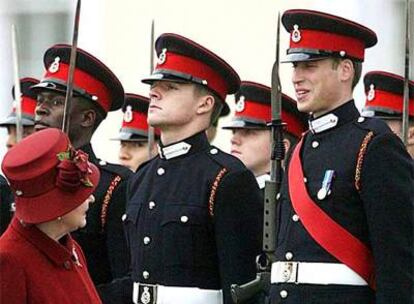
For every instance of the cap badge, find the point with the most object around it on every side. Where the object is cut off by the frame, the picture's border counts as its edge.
(296, 37)
(371, 92)
(128, 115)
(240, 105)
(54, 67)
(162, 57)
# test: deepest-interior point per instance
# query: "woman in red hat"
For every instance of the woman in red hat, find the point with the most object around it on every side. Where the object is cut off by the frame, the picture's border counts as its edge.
(39, 260)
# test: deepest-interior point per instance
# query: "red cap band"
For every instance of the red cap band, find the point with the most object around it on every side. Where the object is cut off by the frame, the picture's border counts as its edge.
(28, 106)
(385, 99)
(260, 111)
(313, 39)
(255, 110)
(195, 68)
(139, 122)
(84, 81)
(293, 125)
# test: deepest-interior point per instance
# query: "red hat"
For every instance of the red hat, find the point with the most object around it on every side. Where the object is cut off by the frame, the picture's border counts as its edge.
(253, 110)
(28, 104)
(134, 124)
(316, 35)
(93, 80)
(49, 178)
(385, 95)
(183, 60)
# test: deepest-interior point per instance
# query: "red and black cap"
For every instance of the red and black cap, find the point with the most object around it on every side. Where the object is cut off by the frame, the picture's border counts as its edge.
(134, 123)
(315, 35)
(183, 60)
(253, 110)
(385, 95)
(93, 80)
(28, 104)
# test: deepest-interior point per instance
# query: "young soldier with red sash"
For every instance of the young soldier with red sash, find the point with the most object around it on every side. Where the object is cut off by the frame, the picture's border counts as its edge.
(346, 203)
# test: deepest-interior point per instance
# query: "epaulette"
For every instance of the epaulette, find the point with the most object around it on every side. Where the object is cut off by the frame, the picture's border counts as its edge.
(225, 160)
(372, 124)
(122, 171)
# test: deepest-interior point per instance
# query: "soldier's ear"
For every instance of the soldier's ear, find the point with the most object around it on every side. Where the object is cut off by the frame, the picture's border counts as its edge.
(287, 144)
(205, 104)
(347, 70)
(88, 118)
(410, 136)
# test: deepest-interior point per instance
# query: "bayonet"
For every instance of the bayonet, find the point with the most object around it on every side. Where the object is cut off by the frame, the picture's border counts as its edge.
(17, 90)
(150, 128)
(72, 65)
(405, 116)
(272, 188)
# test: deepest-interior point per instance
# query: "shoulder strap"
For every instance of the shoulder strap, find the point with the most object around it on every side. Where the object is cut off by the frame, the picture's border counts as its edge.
(323, 229)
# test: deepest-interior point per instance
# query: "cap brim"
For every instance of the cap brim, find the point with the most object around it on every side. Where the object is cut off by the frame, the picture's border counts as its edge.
(299, 57)
(11, 120)
(128, 136)
(54, 203)
(243, 124)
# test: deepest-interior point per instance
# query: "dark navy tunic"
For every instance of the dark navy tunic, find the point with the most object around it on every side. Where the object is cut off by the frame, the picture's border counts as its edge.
(103, 239)
(380, 213)
(193, 218)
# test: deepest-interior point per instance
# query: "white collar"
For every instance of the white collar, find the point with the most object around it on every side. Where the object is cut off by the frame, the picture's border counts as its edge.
(261, 179)
(323, 123)
(174, 150)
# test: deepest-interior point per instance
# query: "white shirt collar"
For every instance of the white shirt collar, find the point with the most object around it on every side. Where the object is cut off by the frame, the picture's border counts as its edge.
(323, 123)
(174, 150)
(261, 179)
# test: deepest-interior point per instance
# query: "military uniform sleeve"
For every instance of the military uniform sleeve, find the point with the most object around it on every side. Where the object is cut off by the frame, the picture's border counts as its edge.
(118, 253)
(387, 190)
(12, 281)
(237, 215)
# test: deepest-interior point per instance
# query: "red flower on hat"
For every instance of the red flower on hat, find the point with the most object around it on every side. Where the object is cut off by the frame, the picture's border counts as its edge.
(73, 170)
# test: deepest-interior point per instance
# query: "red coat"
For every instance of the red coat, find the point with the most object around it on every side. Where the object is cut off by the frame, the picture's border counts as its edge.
(35, 269)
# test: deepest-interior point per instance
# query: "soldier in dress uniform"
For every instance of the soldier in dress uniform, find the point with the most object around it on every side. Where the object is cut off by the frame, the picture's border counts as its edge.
(251, 140)
(193, 211)
(346, 203)
(28, 104)
(96, 91)
(134, 132)
(384, 93)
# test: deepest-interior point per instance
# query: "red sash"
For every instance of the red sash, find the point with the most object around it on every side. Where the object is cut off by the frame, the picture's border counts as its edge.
(324, 230)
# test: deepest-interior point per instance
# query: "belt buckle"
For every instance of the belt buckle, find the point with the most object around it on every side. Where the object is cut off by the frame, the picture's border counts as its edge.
(144, 293)
(290, 272)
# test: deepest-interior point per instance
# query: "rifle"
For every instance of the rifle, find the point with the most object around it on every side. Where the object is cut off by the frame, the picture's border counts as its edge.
(72, 64)
(405, 117)
(17, 90)
(150, 128)
(272, 188)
